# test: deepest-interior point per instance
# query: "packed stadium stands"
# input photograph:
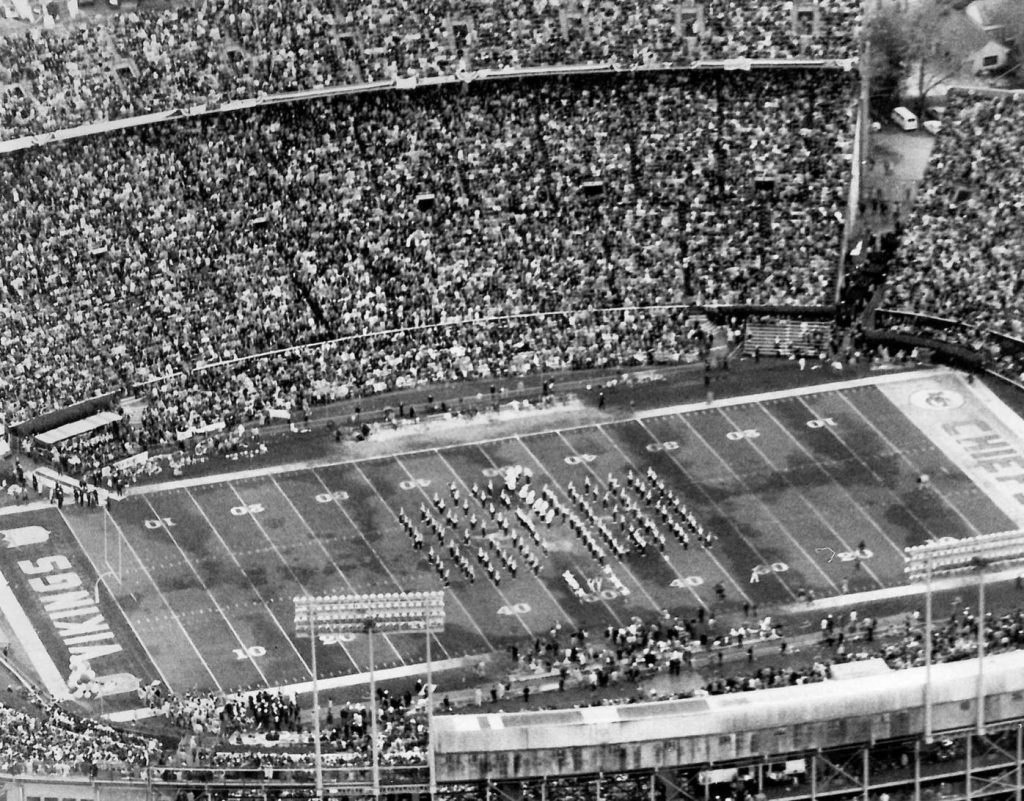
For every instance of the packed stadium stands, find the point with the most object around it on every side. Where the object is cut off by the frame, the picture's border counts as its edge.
(58, 741)
(224, 267)
(189, 243)
(959, 256)
(53, 740)
(961, 249)
(164, 58)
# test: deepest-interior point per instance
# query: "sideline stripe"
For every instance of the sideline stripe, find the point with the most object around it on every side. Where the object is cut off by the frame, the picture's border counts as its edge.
(961, 581)
(350, 680)
(294, 467)
(37, 654)
(488, 421)
(780, 394)
(31, 506)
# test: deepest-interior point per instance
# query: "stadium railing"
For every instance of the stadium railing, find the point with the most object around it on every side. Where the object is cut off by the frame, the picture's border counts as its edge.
(963, 343)
(405, 84)
(824, 740)
(609, 68)
(717, 312)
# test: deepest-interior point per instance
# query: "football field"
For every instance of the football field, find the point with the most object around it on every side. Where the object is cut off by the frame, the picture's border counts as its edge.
(816, 490)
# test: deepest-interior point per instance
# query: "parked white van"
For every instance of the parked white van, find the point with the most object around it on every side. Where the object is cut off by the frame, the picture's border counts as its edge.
(905, 118)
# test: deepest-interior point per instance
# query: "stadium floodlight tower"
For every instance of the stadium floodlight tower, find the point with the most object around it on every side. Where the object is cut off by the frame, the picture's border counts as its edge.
(386, 613)
(947, 556)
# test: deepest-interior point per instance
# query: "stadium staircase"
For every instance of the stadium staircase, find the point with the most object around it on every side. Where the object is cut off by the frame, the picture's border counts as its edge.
(133, 409)
(787, 337)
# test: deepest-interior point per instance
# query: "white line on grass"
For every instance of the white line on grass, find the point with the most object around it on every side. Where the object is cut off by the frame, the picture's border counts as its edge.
(288, 567)
(760, 502)
(331, 561)
(202, 583)
(454, 596)
(356, 528)
(807, 501)
(706, 551)
(564, 494)
(543, 585)
(117, 603)
(883, 485)
(497, 589)
(892, 446)
(658, 607)
(163, 597)
(722, 513)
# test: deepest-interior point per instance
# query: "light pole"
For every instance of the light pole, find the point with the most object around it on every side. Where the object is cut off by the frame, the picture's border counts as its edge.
(948, 556)
(390, 613)
(318, 759)
(369, 627)
(928, 655)
(979, 563)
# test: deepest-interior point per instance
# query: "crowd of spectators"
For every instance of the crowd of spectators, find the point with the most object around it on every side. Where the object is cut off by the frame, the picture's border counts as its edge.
(640, 650)
(145, 255)
(51, 740)
(158, 59)
(264, 729)
(959, 258)
(954, 638)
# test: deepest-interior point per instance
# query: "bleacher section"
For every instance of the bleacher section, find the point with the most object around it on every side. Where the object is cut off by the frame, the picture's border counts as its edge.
(787, 337)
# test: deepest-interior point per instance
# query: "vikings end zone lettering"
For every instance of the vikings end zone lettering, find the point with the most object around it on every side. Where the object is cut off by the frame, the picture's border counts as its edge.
(49, 601)
(73, 611)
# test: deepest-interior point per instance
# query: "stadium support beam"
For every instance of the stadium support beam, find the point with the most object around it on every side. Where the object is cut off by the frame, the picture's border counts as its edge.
(980, 565)
(928, 736)
(946, 556)
(386, 613)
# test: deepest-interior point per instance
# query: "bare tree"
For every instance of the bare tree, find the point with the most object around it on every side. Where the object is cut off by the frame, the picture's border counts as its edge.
(921, 41)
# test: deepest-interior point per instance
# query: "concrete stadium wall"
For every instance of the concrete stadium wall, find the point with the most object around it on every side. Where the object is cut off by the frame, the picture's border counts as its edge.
(724, 728)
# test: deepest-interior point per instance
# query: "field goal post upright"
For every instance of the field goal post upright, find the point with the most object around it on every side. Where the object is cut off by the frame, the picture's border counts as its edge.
(947, 556)
(383, 613)
(110, 529)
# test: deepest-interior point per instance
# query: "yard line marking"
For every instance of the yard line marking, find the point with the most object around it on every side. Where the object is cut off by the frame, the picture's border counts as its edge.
(881, 482)
(699, 406)
(761, 503)
(202, 583)
(117, 603)
(496, 588)
(543, 584)
(915, 468)
(288, 567)
(565, 495)
(814, 510)
(622, 562)
(266, 602)
(832, 480)
(370, 548)
(707, 551)
(454, 595)
(333, 563)
(728, 518)
(160, 593)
